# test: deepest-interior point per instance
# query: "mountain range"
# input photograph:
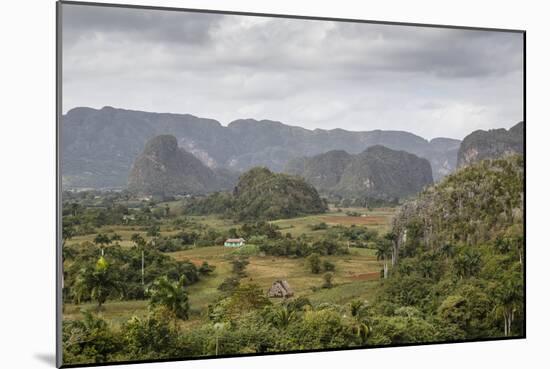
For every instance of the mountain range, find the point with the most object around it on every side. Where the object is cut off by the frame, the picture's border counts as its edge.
(491, 144)
(378, 173)
(99, 146)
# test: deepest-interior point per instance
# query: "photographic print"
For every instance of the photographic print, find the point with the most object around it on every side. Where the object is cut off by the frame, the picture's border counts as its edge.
(248, 184)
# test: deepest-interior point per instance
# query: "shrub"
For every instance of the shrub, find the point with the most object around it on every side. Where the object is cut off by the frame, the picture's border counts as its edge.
(313, 262)
(327, 278)
(328, 266)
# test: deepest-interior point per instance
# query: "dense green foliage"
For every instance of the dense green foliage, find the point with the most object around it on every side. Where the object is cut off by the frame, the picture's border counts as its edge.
(243, 322)
(171, 295)
(363, 201)
(262, 195)
(460, 250)
(221, 203)
(118, 274)
(85, 211)
(474, 205)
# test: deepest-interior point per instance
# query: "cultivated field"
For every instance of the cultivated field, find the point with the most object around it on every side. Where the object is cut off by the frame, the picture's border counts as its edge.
(356, 275)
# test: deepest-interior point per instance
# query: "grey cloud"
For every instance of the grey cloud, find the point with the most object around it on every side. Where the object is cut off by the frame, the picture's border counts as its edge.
(431, 81)
(137, 24)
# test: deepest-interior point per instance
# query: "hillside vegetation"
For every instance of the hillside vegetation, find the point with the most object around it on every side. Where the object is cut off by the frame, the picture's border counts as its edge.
(458, 253)
(262, 195)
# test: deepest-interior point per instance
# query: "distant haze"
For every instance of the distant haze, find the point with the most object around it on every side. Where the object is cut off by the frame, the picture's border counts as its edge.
(315, 74)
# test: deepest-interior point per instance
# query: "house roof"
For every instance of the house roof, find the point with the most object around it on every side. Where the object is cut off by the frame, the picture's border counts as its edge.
(283, 285)
(286, 286)
(233, 240)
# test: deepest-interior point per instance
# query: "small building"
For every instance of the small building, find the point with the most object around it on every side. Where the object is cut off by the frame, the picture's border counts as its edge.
(127, 218)
(280, 288)
(234, 242)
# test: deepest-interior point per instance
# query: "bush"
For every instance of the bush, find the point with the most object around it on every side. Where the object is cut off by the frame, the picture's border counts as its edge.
(328, 266)
(321, 329)
(239, 266)
(89, 340)
(206, 269)
(229, 284)
(327, 278)
(152, 337)
(246, 250)
(313, 262)
(319, 226)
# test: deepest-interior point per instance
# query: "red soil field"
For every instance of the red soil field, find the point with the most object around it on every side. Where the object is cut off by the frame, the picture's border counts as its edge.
(346, 220)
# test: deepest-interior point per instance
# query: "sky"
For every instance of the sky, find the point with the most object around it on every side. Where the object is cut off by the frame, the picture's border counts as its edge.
(434, 82)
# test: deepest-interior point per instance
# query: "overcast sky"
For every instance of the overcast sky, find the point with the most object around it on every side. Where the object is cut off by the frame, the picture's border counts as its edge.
(315, 74)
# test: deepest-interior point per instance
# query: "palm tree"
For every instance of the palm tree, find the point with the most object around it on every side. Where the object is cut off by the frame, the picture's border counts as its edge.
(171, 295)
(392, 237)
(67, 232)
(355, 307)
(102, 240)
(140, 243)
(100, 282)
(153, 231)
(468, 263)
(447, 250)
(383, 252)
(282, 317)
(97, 283)
(138, 240)
(116, 237)
(361, 330)
(360, 327)
(509, 299)
(426, 268)
(75, 209)
(80, 287)
(218, 327)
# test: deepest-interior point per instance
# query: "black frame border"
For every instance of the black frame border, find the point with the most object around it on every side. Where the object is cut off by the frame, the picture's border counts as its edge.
(58, 115)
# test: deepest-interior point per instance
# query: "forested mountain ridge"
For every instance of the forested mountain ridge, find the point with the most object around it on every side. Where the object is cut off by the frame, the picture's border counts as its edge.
(472, 205)
(377, 173)
(491, 144)
(262, 195)
(458, 253)
(98, 146)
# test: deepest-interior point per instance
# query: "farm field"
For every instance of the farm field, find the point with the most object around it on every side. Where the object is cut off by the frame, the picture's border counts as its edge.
(263, 270)
(376, 219)
(356, 277)
(356, 274)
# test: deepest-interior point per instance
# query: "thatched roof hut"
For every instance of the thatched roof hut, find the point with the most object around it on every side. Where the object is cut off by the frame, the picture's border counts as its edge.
(280, 288)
